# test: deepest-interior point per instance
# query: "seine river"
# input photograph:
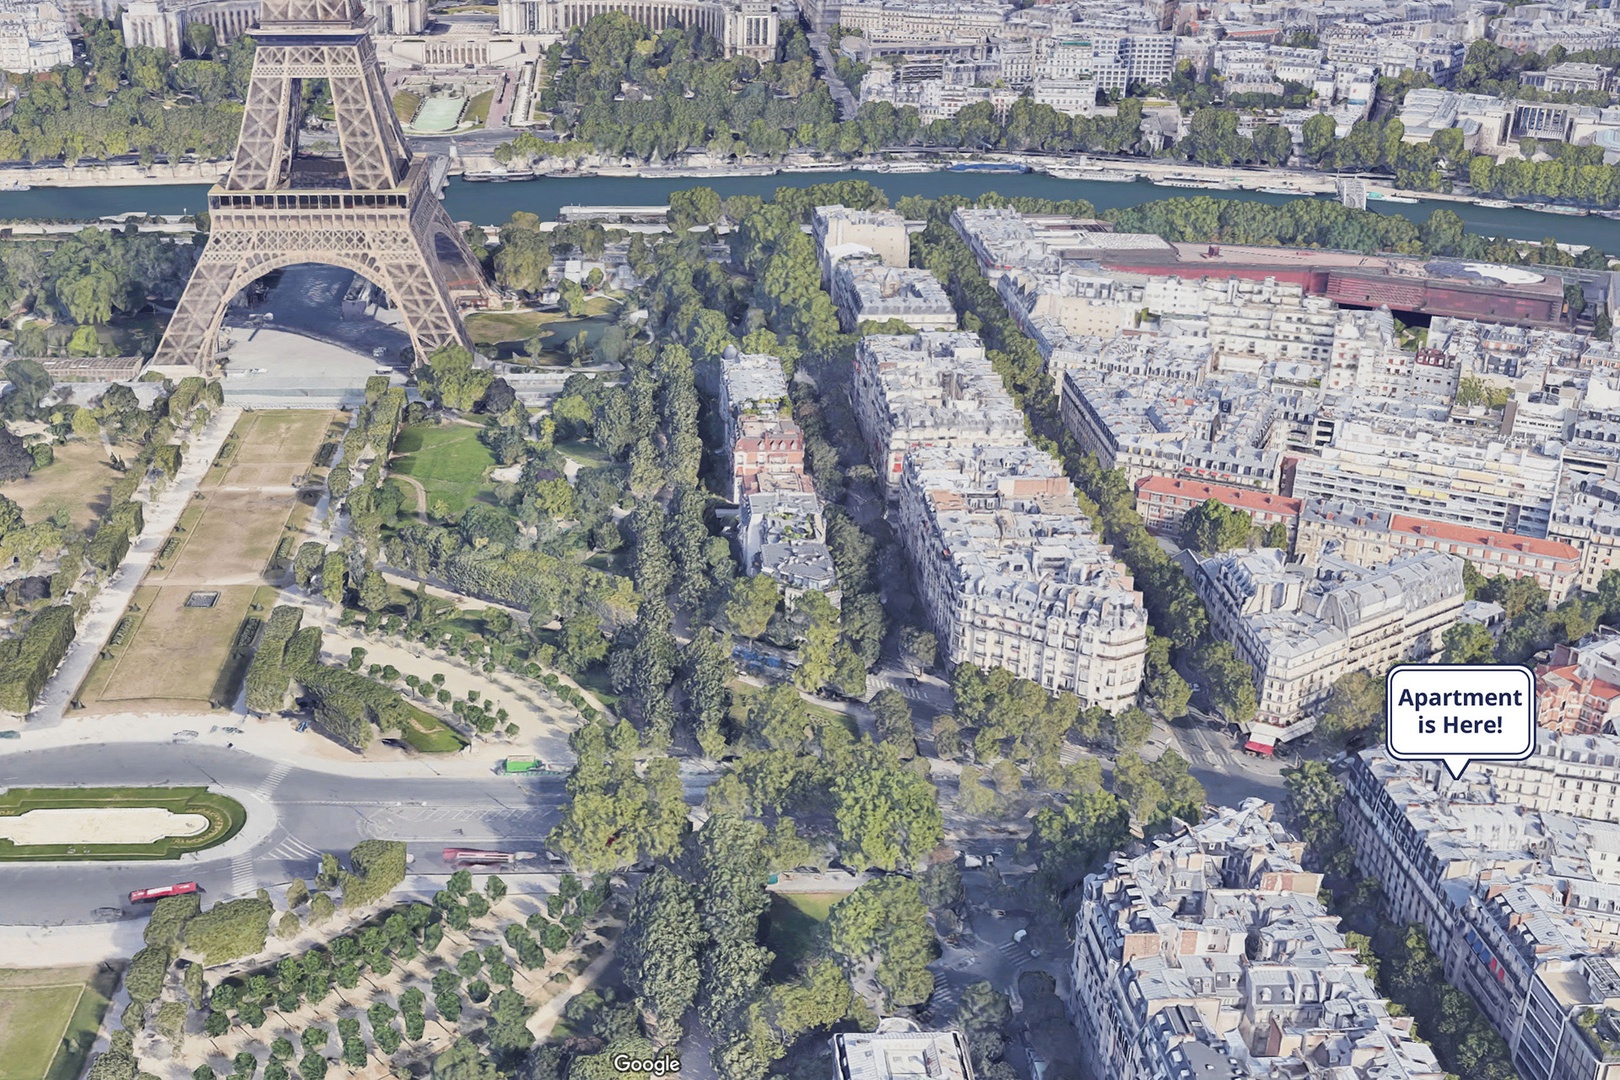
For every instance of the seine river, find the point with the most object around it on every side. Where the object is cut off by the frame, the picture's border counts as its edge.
(490, 204)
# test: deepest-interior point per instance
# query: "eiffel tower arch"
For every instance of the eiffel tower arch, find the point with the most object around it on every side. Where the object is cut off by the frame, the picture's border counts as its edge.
(373, 212)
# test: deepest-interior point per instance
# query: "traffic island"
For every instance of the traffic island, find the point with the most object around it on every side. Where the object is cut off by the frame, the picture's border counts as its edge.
(114, 824)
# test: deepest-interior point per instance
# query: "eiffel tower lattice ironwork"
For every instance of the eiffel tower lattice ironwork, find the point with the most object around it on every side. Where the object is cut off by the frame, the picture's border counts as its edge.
(374, 212)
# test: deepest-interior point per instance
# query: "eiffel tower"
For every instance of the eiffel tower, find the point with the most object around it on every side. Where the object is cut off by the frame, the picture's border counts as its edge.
(374, 212)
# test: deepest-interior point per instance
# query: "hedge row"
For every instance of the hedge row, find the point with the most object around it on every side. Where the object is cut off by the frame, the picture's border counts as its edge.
(111, 541)
(27, 661)
(379, 865)
(266, 675)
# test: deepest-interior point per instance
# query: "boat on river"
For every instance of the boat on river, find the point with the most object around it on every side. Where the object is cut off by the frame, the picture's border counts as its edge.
(1384, 196)
(1494, 204)
(1552, 208)
(987, 167)
(1279, 191)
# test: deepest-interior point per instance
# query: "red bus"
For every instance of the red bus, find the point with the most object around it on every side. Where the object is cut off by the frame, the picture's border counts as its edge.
(475, 857)
(140, 896)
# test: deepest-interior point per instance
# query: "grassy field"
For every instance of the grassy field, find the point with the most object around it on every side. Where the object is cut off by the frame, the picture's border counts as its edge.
(586, 453)
(49, 1018)
(77, 481)
(224, 543)
(494, 327)
(405, 105)
(508, 331)
(793, 927)
(430, 735)
(478, 108)
(447, 460)
(225, 816)
(742, 692)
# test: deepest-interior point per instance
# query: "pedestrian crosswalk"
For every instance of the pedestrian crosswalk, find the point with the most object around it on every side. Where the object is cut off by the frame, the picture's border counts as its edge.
(244, 881)
(272, 779)
(1013, 950)
(292, 849)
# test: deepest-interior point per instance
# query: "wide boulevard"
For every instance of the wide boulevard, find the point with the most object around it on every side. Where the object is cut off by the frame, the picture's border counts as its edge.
(313, 811)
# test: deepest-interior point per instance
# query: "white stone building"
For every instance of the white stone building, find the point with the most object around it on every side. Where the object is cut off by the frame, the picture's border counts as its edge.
(928, 389)
(1013, 576)
(865, 290)
(33, 37)
(1301, 628)
(1209, 957)
(840, 233)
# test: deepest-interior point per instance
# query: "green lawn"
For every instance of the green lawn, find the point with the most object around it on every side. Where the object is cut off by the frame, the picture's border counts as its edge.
(478, 108)
(49, 1019)
(430, 735)
(793, 928)
(494, 327)
(741, 692)
(586, 453)
(226, 817)
(447, 460)
(405, 105)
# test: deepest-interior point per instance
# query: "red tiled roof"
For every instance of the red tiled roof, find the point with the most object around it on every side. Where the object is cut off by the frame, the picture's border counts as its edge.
(1500, 541)
(1242, 498)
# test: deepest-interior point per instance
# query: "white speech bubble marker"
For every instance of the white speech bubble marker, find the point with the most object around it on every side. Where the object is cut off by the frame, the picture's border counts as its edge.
(1458, 713)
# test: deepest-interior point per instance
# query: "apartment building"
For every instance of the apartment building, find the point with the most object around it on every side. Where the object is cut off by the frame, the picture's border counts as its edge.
(1372, 536)
(780, 529)
(1013, 575)
(1300, 628)
(866, 291)
(760, 435)
(33, 37)
(1519, 903)
(928, 389)
(1408, 464)
(1569, 77)
(901, 1050)
(840, 232)
(1219, 431)
(1113, 61)
(1209, 956)
(939, 20)
(1586, 514)
(1164, 500)
(1578, 688)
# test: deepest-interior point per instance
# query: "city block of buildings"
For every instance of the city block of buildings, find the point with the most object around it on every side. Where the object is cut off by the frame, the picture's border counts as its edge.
(1209, 956)
(781, 529)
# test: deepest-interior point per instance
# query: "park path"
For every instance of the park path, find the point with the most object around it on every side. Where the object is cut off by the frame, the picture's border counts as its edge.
(421, 492)
(108, 605)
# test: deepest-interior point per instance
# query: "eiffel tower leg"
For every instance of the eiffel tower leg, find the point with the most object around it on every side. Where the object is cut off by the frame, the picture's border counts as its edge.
(459, 268)
(270, 118)
(192, 337)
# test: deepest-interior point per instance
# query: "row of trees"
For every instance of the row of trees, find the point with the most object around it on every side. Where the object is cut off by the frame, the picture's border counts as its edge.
(133, 100)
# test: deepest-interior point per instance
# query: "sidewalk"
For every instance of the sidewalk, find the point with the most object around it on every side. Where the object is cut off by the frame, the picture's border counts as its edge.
(64, 946)
(109, 604)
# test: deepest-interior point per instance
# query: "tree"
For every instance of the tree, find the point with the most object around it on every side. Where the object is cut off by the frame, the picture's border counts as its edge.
(1468, 643)
(16, 461)
(1314, 794)
(1231, 685)
(985, 1016)
(886, 919)
(1131, 729)
(1319, 133)
(462, 1061)
(660, 952)
(752, 602)
(1214, 527)
(892, 712)
(373, 591)
(1355, 708)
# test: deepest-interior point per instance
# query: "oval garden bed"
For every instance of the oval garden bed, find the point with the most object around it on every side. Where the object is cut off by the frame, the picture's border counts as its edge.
(115, 824)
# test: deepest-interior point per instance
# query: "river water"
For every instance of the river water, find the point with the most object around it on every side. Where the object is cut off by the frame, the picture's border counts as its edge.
(491, 204)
